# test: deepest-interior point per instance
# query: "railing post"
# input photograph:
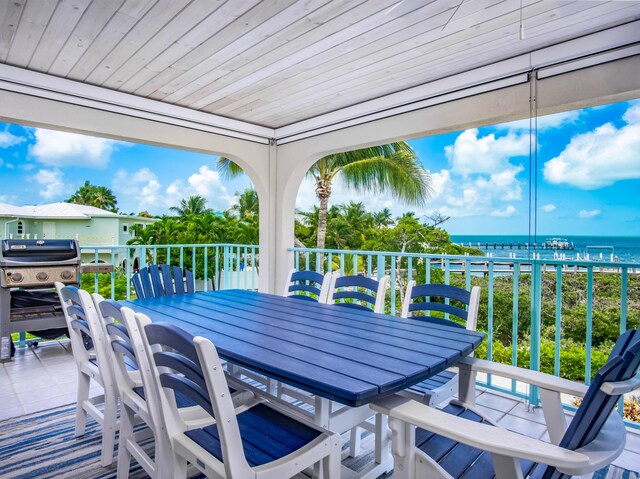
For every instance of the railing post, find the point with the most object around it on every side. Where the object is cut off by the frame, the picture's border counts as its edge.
(536, 316)
(380, 267)
(143, 256)
(515, 314)
(113, 273)
(95, 275)
(589, 332)
(205, 274)
(557, 338)
(128, 272)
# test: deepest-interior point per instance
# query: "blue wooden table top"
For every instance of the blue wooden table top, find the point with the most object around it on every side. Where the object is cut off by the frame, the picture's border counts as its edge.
(350, 356)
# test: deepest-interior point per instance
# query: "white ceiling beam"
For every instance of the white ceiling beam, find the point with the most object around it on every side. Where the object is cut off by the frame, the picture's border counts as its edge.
(42, 85)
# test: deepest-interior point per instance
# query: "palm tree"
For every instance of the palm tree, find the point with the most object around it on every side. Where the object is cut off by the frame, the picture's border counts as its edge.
(382, 218)
(94, 195)
(247, 206)
(392, 168)
(193, 206)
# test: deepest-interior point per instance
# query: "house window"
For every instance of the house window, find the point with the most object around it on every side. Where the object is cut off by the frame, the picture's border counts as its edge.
(125, 228)
(20, 227)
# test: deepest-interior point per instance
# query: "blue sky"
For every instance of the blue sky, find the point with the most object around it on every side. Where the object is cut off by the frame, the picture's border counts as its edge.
(588, 174)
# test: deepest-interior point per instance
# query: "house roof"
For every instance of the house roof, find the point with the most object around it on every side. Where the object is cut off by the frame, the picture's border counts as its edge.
(261, 67)
(60, 211)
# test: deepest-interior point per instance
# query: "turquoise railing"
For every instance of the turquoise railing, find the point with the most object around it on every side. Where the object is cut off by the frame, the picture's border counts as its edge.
(236, 266)
(215, 266)
(402, 267)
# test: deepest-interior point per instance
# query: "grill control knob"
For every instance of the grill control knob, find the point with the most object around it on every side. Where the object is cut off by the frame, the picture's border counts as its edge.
(16, 277)
(42, 276)
(66, 275)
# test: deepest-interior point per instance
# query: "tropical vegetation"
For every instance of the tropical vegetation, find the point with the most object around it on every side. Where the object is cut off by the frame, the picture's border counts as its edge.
(94, 195)
(393, 168)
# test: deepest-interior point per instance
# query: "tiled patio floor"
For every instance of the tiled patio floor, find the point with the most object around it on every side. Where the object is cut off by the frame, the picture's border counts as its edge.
(45, 377)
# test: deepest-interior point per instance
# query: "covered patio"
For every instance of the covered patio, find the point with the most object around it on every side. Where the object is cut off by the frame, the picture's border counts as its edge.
(276, 85)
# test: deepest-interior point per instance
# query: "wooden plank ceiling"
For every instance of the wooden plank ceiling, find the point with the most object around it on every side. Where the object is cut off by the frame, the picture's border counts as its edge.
(276, 62)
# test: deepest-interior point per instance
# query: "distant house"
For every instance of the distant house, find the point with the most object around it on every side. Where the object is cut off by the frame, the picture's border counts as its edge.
(89, 225)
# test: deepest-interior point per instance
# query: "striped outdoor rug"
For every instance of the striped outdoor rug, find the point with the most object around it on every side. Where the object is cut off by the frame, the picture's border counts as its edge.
(42, 445)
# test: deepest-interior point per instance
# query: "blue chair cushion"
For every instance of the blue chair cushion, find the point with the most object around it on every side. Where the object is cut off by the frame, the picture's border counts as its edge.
(461, 460)
(267, 435)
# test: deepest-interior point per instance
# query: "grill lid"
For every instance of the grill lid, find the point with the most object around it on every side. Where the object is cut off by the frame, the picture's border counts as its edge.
(15, 252)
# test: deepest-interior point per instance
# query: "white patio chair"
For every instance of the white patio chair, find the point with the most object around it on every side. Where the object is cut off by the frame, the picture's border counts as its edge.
(88, 343)
(365, 294)
(131, 373)
(308, 285)
(459, 442)
(153, 281)
(257, 440)
(359, 292)
(419, 302)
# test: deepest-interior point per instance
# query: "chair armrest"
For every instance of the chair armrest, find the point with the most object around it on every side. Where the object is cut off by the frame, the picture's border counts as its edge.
(490, 438)
(621, 387)
(535, 378)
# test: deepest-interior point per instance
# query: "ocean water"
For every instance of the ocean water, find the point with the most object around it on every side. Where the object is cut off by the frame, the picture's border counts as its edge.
(625, 248)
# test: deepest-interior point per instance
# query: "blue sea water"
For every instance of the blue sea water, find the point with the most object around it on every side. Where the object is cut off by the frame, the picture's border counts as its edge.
(625, 248)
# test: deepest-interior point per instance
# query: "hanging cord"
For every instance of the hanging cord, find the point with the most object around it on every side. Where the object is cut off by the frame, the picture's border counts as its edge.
(521, 24)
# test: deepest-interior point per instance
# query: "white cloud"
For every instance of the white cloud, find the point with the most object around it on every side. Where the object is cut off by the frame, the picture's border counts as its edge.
(548, 208)
(53, 186)
(488, 154)
(10, 199)
(58, 148)
(585, 214)
(146, 191)
(600, 157)
(547, 122)
(7, 139)
(507, 212)
(481, 181)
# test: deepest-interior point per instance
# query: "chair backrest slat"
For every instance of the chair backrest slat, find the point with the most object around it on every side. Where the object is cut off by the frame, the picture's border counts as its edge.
(357, 281)
(178, 280)
(167, 281)
(182, 385)
(304, 287)
(121, 347)
(137, 285)
(360, 296)
(307, 275)
(156, 281)
(440, 307)
(441, 291)
(191, 283)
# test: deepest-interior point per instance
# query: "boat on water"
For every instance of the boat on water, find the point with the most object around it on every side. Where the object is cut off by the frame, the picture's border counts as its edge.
(559, 244)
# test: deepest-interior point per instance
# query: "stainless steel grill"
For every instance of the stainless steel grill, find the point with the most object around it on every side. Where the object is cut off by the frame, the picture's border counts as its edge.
(28, 271)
